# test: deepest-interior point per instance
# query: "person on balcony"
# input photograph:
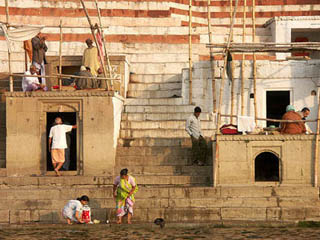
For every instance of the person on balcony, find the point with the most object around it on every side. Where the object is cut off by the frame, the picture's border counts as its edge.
(39, 49)
(292, 127)
(30, 83)
(199, 144)
(85, 83)
(90, 58)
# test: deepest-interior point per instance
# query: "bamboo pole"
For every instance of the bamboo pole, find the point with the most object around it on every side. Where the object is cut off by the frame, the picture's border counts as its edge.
(95, 38)
(224, 66)
(212, 65)
(254, 60)
(232, 69)
(8, 42)
(190, 51)
(243, 57)
(316, 149)
(102, 35)
(216, 161)
(271, 119)
(60, 56)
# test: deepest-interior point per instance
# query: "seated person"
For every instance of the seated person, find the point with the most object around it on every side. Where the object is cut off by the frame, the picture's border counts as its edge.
(292, 127)
(85, 83)
(31, 83)
(101, 83)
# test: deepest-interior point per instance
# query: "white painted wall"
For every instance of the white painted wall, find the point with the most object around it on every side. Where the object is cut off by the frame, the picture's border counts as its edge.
(300, 77)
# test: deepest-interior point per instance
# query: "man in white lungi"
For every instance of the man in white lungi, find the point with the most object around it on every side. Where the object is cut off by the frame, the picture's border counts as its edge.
(58, 143)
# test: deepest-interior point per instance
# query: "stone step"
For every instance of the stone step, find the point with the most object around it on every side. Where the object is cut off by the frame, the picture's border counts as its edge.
(158, 68)
(177, 151)
(155, 94)
(200, 180)
(162, 116)
(153, 101)
(154, 78)
(178, 124)
(155, 142)
(159, 133)
(160, 109)
(161, 160)
(167, 170)
(155, 86)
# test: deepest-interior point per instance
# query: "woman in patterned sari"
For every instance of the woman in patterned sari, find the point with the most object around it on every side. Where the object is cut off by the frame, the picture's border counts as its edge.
(124, 188)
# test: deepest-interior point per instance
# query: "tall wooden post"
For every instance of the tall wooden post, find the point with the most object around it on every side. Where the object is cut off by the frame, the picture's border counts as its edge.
(95, 39)
(9, 53)
(316, 147)
(104, 43)
(216, 163)
(254, 60)
(190, 51)
(214, 98)
(232, 70)
(60, 56)
(243, 57)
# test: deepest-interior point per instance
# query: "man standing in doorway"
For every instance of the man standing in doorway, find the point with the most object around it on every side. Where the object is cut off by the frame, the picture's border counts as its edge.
(199, 144)
(39, 49)
(58, 143)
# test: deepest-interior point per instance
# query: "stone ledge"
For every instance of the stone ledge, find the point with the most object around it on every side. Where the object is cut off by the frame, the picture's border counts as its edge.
(286, 137)
(80, 93)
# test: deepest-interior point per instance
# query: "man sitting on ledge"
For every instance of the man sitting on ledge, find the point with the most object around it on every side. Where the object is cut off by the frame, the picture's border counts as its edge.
(85, 83)
(292, 127)
(31, 83)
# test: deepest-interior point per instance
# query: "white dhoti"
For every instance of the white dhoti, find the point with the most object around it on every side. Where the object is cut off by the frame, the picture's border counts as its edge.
(42, 69)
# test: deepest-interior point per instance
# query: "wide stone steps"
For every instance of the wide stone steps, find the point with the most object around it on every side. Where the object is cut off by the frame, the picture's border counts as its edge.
(153, 101)
(178, 124)
(155, 142)
(173, 203)
(158, 68)
(167, 170)
(160, 109)
(163, 160)
(155, 86)
(155, 78)
(181, 116)
(160, 133)
(154, 94)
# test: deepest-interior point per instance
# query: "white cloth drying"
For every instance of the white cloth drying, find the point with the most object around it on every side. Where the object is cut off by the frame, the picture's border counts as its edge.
(246, 124)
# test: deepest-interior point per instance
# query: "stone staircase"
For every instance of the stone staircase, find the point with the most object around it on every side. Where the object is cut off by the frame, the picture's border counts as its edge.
(153, 143)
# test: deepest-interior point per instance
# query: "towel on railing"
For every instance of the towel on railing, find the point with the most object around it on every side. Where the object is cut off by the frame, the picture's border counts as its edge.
(246, 124)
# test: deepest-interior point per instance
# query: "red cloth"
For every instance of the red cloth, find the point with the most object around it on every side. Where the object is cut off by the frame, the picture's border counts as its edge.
(99, 40)
(292, 128)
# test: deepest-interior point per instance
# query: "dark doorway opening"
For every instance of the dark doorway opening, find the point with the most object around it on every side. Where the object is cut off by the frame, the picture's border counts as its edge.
(69, 118)
(277, 101)
(69, 70)
(266, 167)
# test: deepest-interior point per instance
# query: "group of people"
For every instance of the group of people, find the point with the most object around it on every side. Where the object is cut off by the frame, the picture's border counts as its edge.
(124, 189)
(34, 79)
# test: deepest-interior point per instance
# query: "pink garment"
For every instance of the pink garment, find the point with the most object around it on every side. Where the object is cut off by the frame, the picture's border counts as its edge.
(130, 180)
(99, 39)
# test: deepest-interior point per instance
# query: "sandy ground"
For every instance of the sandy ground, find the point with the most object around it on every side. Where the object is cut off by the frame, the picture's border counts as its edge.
(151, 231)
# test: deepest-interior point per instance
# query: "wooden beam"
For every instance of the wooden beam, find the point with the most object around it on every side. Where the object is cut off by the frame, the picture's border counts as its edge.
(60, 55)
(254, 72)
(243, 57)
(212, 65)
(316, 149)
(190, 51)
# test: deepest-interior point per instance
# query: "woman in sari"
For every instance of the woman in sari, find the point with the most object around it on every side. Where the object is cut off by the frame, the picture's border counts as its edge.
(124, 188)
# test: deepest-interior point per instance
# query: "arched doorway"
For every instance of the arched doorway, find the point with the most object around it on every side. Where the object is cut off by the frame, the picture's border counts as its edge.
(266, 166)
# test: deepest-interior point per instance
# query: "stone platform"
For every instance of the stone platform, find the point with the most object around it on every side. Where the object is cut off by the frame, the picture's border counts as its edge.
(40, 199)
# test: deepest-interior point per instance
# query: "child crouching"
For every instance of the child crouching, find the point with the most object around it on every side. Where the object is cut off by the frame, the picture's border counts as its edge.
(72, 210)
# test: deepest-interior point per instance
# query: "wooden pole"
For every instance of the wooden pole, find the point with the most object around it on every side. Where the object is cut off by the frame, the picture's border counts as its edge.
(316, 148)
(232, 69)
(95, 38)
(216, 163)
(60, 55)
(9, 53)
(104, 43)
(243, 57)
(190, 51)
(212, 65)
(254, 60)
